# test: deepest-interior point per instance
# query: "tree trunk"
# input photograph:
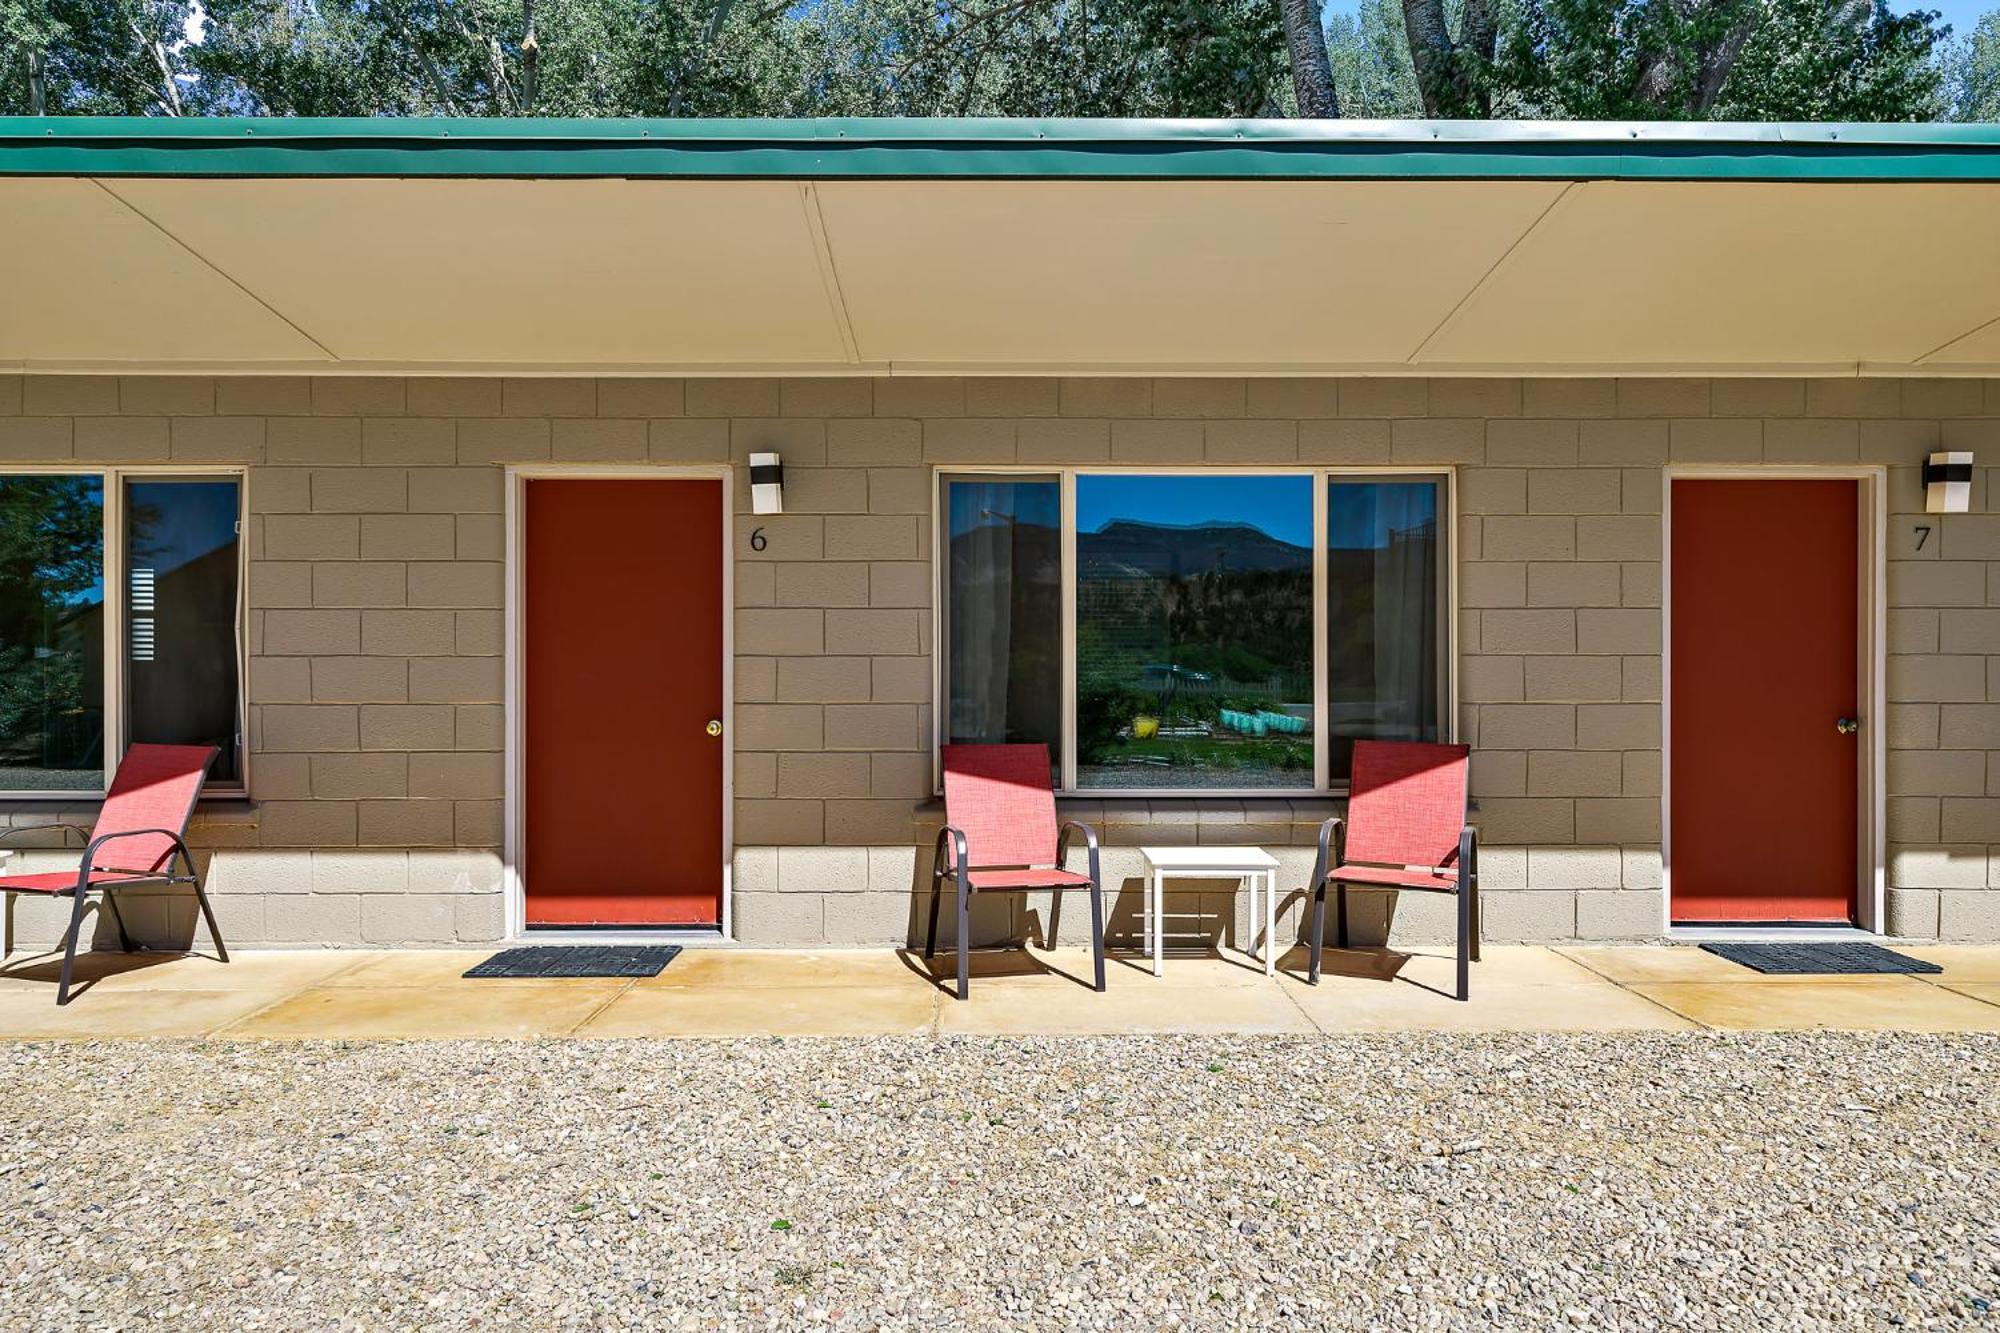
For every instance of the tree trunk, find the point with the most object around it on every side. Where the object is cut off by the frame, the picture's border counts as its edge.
(531, 58)
(1447, 73)
(38, 85)
(1312, 74)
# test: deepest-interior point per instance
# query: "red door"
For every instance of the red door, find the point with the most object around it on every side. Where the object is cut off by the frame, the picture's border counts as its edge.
(1765, 797)
(621, 677)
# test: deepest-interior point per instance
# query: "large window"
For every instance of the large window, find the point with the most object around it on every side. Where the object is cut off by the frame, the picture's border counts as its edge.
(120, 616)
(1212, 631)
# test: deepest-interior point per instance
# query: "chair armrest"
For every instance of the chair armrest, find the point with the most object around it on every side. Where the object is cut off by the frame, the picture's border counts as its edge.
(179, 848)
(960, 854)
(77, 829)
(1090, 846)
(1468, 855)
(1331, 840)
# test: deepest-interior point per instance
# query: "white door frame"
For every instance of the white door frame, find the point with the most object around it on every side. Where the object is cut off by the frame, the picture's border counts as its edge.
(1871, 602)
(515, 828)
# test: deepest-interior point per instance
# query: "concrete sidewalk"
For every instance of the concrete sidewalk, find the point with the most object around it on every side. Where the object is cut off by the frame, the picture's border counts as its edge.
(730, 992)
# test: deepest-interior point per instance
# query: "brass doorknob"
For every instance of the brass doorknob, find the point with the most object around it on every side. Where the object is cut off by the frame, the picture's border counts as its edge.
(714, 728)
(1847, 726)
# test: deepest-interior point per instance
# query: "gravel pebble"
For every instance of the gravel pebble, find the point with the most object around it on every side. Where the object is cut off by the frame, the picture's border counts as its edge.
(1687, 1181)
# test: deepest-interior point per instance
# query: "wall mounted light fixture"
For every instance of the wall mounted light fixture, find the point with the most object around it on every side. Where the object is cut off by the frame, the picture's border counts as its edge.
(767, 484)
(1948, 483)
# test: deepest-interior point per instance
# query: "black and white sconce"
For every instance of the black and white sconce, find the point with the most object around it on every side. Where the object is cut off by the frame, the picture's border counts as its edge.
(1948, 483)
(767, 484)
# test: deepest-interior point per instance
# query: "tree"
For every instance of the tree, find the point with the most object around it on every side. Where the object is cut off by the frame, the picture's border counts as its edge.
(1453, 61)
(93, 57)
(1971, 68)
(1312, 74)
(1718, 59)
(1371, 62)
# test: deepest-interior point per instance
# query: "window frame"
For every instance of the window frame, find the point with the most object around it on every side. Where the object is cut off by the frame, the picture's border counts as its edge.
(1065, 477)
(117, 592)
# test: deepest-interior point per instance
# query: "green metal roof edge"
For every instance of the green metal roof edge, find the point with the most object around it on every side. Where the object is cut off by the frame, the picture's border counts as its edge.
(995, 149)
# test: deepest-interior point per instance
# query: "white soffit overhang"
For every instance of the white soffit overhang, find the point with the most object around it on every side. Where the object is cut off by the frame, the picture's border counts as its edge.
(871, 271)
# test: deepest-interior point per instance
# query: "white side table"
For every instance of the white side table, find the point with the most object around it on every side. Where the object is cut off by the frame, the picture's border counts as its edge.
(1257, 868)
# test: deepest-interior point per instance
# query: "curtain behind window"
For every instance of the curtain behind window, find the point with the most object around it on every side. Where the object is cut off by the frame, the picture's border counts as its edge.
(1382, 621)
(1004, 612)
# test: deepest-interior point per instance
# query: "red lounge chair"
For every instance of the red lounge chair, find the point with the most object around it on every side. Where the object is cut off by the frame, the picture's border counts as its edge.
(138, 835)
(1405, 829)
(1000, 836)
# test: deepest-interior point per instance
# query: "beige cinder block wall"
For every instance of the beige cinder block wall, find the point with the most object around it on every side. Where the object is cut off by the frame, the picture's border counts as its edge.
(376, 636)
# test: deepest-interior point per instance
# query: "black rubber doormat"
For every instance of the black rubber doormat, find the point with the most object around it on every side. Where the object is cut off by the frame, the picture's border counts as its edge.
(1819, 959)
(579, 960)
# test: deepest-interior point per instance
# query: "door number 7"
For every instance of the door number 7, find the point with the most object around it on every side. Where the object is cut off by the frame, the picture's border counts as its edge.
(1923, 534)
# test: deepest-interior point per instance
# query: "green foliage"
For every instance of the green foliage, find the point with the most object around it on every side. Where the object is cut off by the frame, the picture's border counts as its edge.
(1371, 63)
(1849, 61)
(1971, 67)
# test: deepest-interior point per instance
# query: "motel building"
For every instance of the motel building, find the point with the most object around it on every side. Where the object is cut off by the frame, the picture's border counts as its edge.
(575, 530)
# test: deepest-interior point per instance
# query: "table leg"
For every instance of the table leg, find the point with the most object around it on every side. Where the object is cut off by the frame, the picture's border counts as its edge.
(1159, 920)
(1253, 884)
(1270, 923)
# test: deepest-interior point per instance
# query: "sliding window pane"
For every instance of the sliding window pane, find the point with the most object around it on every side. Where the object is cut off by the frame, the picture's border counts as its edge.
(1003, 612)
(182, 568)
(51, 633)
(1383, 615)
(1194, 632)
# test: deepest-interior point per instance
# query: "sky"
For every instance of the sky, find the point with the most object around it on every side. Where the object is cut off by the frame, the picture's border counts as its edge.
(1960, 14)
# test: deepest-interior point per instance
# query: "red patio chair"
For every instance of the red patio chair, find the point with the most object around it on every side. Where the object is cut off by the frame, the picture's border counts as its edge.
(1000, 836)
(1405, 829)
(136, 839)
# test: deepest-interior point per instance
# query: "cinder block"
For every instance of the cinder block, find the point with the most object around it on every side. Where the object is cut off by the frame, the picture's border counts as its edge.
(1493, 490)
(1757, 397)
(409, 918)
(876, 632)
(1294, 397)
(1528, 916)
(872, 537)
(478, 918)
(1515, 537)
(1663, 398)
(104, 440)
(969, 440)
(1435, 440)
(1617, 727)
(1913, 914)
(1972, 917)
(1623, 443)
(824, 679)
(401, 633)
(1574, 491)
(311, 633)
(364, 776)
(407, 537)
(360, 679)
(358, 396)
(1538, 726)
(1166, 443)
(309, 728)
(822, 776)
(1105, 397)
(1395, 397)
(1574, 583)
(1574, 867)
(778, 918)
(687, 441)
(872, 441)
(471, 583)
(1486, 679)
(744, 397)
(1642, 868)
(1811, 441)
(456, 680)
(1731, 440)
(313, 919)
(1569, 397)
(1573, 679)
(873, 727)
(1028, 396)
(360, 872)
(453, 396)
(1622, 630)
(460, 775)
(1508, 820)
(313, 824)
(548, 396)
(872, 919)
(1575, 773)
(1935, 678)
(1534, 443)
(1937, 867)
(310, 441)
(826, 396)
(1618, 915)
(405, 823)
(910, 490)
(312, 536)
(1251, 442)
(929, 396)
(404, 727)
(822, 869)
(358, 583)
(1329, 442)
(166, 395)
(455, 490)
(1617, 819)
(788, 727)
(1541, 630)
(1475, 396)
(1937, 772)
(780, 633)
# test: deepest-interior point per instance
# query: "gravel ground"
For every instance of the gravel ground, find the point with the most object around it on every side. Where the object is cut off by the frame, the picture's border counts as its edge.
(1639, 1181)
